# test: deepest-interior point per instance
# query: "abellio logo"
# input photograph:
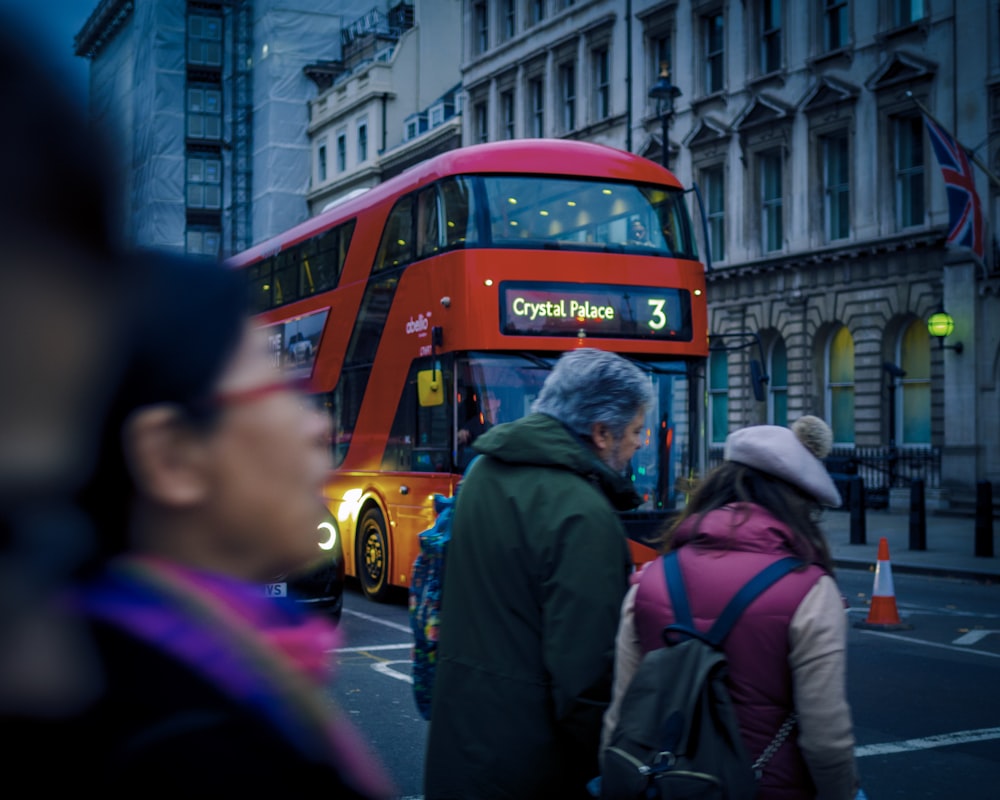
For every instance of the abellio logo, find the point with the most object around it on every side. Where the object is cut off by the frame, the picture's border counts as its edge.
(418, 325)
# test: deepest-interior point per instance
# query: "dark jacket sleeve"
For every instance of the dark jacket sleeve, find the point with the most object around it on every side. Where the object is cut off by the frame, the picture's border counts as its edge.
(582, 599)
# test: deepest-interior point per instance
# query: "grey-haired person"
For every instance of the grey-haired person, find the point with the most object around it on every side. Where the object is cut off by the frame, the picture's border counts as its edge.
(787, 652)
(537, 569)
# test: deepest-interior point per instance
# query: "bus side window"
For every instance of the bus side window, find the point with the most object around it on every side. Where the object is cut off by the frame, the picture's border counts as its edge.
(459, 212)
(321, 269)
(261, 277)
(286, 278)
(429, 239)
(396, 248)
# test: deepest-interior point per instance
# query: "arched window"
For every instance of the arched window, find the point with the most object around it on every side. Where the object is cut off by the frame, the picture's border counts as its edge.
(914, 399)
(718, 395)
(840, 386)
(777, 395)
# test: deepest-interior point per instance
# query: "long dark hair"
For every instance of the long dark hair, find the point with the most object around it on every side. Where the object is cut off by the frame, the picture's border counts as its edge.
(732, 483)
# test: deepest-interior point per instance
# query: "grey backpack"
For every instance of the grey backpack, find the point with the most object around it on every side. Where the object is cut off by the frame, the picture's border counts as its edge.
(677, 734)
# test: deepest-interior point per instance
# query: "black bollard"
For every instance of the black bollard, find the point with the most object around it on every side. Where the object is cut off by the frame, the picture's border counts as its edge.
(918, 516)
(984, 519)
(857, 505)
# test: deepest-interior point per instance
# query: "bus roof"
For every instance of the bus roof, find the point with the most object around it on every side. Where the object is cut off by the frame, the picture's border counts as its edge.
(516, 156)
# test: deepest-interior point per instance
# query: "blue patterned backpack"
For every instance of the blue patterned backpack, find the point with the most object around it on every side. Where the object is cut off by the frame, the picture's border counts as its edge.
(426, 583)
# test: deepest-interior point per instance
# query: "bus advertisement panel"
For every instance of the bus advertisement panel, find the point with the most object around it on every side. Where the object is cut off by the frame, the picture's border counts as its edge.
(433, 306)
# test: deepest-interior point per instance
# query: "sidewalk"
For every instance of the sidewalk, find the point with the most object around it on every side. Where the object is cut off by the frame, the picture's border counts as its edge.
(950, 545)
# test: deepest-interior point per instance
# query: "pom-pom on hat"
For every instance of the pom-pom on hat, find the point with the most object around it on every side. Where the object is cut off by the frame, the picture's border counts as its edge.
(791, 454)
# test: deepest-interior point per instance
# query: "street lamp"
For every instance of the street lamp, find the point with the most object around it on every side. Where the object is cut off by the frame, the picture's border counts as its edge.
(941, 324)
(664, 93)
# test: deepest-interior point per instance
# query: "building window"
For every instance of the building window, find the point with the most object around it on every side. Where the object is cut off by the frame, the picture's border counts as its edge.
(777, 395)
(712, 180)
(204, 182)
(714, 42)
(659, 52)
(481, 28)
(362, 141)
(536, 94)
(836, 187)
(204, 42)
(567, 93)
(840, 386)
(507, 110)
(772, 233)
(536, 11)
(203, 241)
(508, 18)
(836, 24)
(906, 12)
(770, 36)
(602, 84)
(481, 118)
(908, 142)
(204, 113)
(341, 151)
(321, 163)
(718, 396)
(914, 398)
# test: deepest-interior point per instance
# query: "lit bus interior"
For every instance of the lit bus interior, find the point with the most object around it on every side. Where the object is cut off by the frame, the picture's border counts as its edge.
(489, 211)
(431, 441)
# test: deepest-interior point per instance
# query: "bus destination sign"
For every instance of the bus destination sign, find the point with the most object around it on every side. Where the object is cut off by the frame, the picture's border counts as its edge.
(603, 311)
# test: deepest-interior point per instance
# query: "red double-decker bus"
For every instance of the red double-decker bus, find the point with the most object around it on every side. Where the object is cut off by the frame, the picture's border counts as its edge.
(435, 304)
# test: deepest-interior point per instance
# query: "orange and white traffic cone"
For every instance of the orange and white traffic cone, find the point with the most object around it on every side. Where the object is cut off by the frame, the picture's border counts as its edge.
(883, 614)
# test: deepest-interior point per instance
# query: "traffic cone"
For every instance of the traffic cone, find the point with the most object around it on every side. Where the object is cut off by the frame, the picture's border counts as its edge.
(883, 614)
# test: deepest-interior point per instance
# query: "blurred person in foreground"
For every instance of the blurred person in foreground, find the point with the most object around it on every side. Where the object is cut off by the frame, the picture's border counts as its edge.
(63, 322)
(209, 480)
(787, 652)
(537, 568)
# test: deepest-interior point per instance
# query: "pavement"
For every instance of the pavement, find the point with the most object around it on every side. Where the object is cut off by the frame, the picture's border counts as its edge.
(949, 544)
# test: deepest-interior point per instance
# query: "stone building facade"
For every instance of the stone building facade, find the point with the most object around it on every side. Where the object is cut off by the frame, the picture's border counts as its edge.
(800, 123)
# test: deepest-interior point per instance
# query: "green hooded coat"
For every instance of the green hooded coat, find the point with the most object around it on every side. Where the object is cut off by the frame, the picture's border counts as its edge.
(537, 569)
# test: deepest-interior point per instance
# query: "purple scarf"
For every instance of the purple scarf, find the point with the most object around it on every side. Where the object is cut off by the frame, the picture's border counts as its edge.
(270, 656)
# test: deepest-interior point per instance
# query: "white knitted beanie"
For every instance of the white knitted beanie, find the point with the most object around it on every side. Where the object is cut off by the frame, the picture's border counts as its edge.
(792, 454)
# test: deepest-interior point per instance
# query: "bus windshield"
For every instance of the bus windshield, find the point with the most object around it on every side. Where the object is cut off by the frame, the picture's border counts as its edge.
(495, 388)
(551, 212)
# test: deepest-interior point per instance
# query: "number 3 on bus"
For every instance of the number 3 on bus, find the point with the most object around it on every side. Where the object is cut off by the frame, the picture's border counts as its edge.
(471, 273)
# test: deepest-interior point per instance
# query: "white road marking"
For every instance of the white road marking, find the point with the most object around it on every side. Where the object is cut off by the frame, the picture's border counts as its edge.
(973, 636)
(385, 667)
(928, 644)
(370, 618)
(927, 743)
(372, 648)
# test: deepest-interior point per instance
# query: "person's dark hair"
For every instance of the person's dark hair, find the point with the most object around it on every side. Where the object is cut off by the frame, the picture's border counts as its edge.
(732, 482)
(188, 319)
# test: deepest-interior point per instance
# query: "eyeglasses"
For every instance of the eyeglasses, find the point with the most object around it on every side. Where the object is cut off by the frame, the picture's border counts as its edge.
(299, 386)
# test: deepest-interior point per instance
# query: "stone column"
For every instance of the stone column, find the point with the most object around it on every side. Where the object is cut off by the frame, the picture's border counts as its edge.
(960, 456)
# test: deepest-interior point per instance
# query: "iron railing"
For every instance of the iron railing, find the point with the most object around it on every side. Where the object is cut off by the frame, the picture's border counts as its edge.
(880, 468)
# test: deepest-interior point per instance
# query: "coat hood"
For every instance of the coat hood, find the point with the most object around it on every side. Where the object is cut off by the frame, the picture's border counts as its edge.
(541, 440)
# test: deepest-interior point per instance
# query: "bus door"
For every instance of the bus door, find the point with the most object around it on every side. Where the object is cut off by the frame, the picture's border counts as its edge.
(416, 463)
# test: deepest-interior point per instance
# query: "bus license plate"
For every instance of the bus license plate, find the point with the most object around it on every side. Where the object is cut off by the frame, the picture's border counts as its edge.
(276, 589)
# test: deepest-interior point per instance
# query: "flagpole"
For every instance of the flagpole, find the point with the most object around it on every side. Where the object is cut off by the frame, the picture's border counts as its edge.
(972, 156)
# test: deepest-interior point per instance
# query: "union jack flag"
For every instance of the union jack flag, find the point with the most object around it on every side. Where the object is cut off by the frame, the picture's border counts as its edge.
(964, 211)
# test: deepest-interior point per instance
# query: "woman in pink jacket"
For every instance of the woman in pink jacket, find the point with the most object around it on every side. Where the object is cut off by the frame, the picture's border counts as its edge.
(787, 651)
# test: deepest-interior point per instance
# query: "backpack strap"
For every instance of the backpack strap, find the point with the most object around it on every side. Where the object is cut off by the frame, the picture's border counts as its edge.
(747, 594)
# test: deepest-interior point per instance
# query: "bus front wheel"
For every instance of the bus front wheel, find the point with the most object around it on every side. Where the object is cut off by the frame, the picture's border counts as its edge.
(372, 549)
